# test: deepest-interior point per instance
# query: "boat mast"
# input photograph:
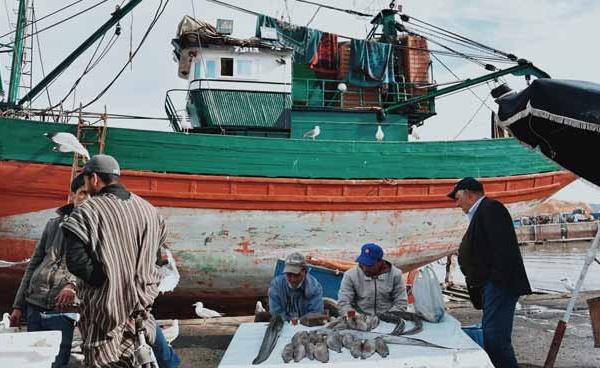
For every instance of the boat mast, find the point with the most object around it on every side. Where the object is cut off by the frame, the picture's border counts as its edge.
(115, 17)
(17, 59)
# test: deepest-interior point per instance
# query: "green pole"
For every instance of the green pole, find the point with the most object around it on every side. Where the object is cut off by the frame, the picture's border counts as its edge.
(115, 17)
(525, 68)
(17, 59)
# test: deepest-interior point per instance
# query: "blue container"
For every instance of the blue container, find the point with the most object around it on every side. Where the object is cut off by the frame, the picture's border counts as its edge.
(475, 332)
(330, 279)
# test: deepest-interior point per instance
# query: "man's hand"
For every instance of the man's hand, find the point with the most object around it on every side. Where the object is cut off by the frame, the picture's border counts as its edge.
(66, 297)
(15, 317)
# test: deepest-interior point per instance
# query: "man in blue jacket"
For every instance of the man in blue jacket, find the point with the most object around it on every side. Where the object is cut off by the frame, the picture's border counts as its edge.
(295, 293)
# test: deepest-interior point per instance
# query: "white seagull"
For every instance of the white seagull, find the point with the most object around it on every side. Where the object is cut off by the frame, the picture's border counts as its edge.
(185, 122)
(379, 135)
(170, 275)
(5, 321)
(205, 312)
(568, 284)
(67, 142)
(259, 308)
(313, 133)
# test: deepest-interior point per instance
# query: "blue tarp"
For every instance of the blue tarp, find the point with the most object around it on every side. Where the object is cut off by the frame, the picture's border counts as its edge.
(304, 41)
(562, 118)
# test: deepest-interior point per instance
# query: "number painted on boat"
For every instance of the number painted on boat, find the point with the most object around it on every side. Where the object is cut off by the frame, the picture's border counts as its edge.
(245, 49)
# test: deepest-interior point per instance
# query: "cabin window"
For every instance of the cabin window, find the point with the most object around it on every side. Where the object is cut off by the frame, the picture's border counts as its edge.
(244, 68)
(227, 67)
(211, 69)
(197, 69)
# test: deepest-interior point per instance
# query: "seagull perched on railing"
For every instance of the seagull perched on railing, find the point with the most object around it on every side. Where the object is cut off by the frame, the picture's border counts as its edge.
(67, 142)
(313, 133)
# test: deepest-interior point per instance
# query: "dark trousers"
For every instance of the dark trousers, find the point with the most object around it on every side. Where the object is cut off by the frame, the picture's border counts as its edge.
(498, 314)
(65, 325)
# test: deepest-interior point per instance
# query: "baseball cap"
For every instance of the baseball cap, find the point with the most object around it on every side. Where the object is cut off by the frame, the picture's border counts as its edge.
(294, 263)
(466, 184)
(102, 164)
(370, 253)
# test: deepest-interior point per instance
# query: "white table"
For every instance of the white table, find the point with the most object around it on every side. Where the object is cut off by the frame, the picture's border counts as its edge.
(463, 352)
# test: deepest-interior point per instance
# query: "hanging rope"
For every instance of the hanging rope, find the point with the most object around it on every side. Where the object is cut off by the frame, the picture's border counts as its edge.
(159, 11)
(472, 118)
(58, 23)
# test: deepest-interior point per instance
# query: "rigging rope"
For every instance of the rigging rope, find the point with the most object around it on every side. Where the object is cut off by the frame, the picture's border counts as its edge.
(459, 42)
(509, 56)
(157, 14)
(60, 22)
(472, 118)
(8, 17)
(210, 97)
(457, 77)
(313, 17)
(42, 18)
(40, 56)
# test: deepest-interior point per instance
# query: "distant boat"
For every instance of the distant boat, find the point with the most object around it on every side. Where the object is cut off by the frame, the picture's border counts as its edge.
(241, 187)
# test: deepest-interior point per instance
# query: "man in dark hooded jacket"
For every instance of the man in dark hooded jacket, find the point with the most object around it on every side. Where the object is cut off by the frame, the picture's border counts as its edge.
(47, 285)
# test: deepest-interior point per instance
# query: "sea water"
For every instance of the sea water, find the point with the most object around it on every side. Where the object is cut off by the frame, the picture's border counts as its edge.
(546, 264)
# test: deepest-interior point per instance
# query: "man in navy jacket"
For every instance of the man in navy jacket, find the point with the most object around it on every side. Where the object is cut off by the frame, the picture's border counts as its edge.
(490, 259)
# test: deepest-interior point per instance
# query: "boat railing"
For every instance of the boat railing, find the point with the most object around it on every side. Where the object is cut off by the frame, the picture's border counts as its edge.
(173, 115)
(332, 93)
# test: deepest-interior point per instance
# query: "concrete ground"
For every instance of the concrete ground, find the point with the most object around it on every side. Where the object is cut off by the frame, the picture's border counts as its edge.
(202, 344)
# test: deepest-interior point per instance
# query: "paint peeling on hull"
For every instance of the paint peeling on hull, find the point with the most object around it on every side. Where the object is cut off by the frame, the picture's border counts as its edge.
(237, 264)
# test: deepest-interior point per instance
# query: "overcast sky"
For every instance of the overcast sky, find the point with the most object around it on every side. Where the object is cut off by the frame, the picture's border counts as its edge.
(555, 35)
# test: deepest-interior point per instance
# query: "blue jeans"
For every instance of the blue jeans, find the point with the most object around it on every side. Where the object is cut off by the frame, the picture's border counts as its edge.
(35, 322)
(164, 353)
(498, 314)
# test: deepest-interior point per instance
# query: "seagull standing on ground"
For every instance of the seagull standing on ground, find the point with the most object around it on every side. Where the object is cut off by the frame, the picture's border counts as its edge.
(313, 133)
(205, 313)
(379, 135)
(67, 142)
(259, 308)
(5, 321)
(568, 284)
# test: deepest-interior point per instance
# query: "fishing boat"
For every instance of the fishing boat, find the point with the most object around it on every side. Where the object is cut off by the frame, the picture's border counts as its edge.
(292, 140)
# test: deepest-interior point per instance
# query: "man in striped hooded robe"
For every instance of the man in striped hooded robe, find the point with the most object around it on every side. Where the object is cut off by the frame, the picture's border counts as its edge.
(113, 241)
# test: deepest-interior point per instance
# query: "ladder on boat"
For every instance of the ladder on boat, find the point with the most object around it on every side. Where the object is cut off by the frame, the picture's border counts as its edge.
(89, 135)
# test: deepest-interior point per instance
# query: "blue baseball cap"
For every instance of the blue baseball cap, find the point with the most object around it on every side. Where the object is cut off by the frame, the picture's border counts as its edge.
(370, 253)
